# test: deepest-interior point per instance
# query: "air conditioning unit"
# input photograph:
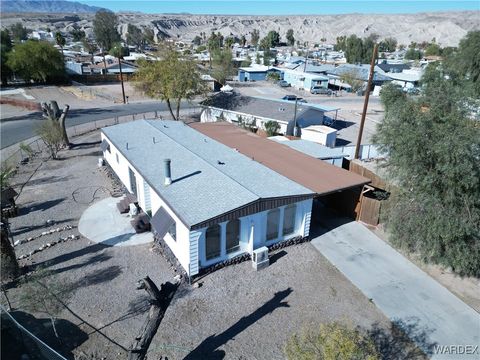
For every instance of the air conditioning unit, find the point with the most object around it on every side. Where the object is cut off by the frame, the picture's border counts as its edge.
(260, 258)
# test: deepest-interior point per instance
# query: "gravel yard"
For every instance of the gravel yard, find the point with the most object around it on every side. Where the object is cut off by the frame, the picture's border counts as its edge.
(233, 313)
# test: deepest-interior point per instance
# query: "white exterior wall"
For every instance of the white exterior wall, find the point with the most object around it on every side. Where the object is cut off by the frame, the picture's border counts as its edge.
(180, 247)
(253, 230)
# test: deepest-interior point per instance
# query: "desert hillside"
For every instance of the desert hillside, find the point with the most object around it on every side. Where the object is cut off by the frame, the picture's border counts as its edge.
(446, 27)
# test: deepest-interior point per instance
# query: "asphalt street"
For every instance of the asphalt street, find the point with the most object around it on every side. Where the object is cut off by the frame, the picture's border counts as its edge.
(16, 129)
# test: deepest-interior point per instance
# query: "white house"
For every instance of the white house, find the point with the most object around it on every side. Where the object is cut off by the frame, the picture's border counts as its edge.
(207, 201)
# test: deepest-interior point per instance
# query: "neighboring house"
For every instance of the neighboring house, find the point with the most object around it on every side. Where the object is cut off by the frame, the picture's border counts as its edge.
(408, 78)
(361, 72)
(78, 68)
(253, 73)
(302, 80)
(217, 204)
(387, 67)
(332, 156)
(256, 111)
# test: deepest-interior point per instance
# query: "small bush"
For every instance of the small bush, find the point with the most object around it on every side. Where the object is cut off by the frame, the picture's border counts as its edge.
(330, 342)
(52, 135)
(271, 127)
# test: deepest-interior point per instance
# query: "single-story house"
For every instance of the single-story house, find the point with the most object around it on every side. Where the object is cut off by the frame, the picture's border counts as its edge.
(236, 108)
(255, 73)
(361, 72)
(210, 201)
(303, 80)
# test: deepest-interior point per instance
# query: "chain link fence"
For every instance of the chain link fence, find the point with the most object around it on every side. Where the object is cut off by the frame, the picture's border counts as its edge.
(18, 153)
(22, 342)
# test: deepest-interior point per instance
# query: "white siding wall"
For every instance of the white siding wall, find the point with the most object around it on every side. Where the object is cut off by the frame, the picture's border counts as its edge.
(180, 247)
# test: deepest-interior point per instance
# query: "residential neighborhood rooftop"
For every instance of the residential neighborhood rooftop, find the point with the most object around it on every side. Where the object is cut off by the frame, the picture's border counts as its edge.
(312, 149)
(320, 177)
(202, 169)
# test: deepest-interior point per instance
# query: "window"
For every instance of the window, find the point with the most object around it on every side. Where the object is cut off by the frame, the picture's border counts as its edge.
(172, 230)
(212, 242)
(273, 219)
(289, 219)
(233, 236)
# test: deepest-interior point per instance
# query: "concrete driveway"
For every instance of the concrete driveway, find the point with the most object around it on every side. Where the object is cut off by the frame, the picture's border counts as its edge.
(439, 322)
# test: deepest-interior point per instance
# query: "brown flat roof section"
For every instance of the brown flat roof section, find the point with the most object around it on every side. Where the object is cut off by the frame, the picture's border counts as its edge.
(312, 173)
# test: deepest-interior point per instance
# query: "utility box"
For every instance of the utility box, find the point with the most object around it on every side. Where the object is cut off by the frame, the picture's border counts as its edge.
(260, 258)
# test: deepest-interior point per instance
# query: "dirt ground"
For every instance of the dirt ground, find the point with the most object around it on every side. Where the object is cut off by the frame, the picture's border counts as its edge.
(235, 311)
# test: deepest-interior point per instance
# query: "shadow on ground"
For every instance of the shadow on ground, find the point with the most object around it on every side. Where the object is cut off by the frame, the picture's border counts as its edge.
(209, 348)
(15, 343)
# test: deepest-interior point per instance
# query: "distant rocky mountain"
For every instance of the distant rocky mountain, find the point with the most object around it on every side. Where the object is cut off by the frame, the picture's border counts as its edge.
(45, 6)
(446, 27)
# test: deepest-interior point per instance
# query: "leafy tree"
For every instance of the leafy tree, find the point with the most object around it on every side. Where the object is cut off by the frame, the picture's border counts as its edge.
(173, 78)
(5, 48)
(243, 40)
(247, 62)
(229, 41)
(38, 61)
(105, 30)
(60, 40)
(148, 36)
(433, 148)
(387, 45)
(254, 37)
(273, 76)
(331, 342)
(341, 44)
(134, 36)
(413, 54)
(89, 46)
(353, 78)
(290, 37)
(77, 34)
(432, 50)
(257, 58)
(271, 40)
(271, 127)
(200, 49)
(19, 32)
(197, 40)
(222, 65)
(51, 134)
(367, 48)
(354, 49)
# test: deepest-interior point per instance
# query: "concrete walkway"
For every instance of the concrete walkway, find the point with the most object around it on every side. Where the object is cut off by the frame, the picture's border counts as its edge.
(431, 315)
(103, 223)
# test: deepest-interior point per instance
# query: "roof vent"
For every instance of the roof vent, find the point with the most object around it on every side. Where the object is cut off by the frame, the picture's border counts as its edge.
(168, 172)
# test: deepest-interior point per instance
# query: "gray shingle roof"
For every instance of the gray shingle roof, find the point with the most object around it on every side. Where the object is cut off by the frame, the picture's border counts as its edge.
(209, 178)
(362, 70)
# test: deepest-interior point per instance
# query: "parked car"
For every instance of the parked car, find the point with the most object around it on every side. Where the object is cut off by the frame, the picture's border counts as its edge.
(293, 98)
(283, 83)
(318, 90)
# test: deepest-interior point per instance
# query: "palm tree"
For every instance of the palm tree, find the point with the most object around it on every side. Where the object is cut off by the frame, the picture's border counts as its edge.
(60, 41)
(118, 51)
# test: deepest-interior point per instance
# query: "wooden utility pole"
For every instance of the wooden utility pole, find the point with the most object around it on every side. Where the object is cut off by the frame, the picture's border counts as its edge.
(121, 78)
(365, 104)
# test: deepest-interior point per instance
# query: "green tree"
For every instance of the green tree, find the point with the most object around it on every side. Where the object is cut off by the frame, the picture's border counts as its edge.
(433, 50)
(229, 41)
(341, 43)
(354, 49)
(51, 134)
(134, 36)
(387, 45)
(197, 40)
(5, 48)
(413, 54)
(254, 37)
(148, 36)
(247, 62)
(243, 40)
(271, 40)
(331, 342)
(173, 78)
(222, 65)
(60, 40)
(290, 37)
(19, 32)
(77, 34)
(433, 149)
(273, 76)
(271, 127)
(89, 46)
(36, 61)
(105, 25)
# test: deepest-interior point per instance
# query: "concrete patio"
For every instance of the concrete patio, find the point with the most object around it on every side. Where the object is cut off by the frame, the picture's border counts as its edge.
(103, 224)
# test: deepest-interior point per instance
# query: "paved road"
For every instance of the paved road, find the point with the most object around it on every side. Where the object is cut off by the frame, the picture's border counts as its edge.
(401, 290)
(14, 130)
